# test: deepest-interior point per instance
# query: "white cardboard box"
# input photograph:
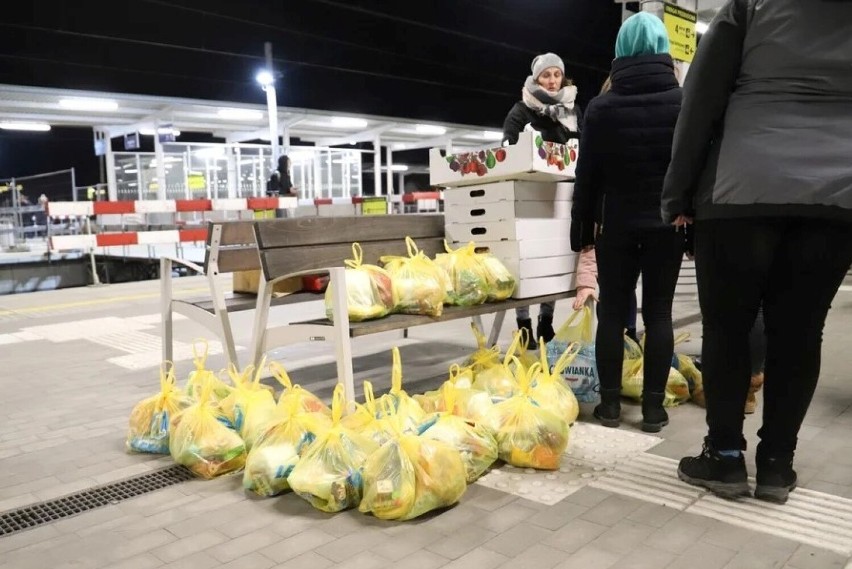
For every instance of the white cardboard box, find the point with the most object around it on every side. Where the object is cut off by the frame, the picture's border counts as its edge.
(530, 159)
(543, 267)
(526, 249)
(508, 230)
(516, 191)
(527, 288)
(501, 211)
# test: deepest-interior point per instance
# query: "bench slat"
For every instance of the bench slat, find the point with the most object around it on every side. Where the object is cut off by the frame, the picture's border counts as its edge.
(302, 231)
(238, 302)
(287, 260)
(235, 233)
(238, 260)
(403, 321)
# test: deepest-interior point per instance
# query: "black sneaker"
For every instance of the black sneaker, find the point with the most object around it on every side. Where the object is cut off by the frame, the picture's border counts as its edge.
(775, 479)
(654, 416)
(723, 475)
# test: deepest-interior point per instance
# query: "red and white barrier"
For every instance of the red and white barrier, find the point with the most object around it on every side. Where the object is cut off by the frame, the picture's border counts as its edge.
(88, 208)
(74, 242)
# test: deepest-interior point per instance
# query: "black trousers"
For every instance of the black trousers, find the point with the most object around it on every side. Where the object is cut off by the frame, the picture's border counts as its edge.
(622, 256)
(794, 267)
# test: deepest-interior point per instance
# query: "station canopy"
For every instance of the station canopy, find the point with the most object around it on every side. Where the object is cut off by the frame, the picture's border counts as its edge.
(117, 114)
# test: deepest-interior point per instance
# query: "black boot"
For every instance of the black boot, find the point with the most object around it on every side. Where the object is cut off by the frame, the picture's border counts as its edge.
(631, 333)
(544, 330)
(609, 410)
(525, 326)
(725, 476)
(775, 476)
(654, 416)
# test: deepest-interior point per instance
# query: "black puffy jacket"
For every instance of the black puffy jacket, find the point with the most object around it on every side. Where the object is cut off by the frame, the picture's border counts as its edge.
(520, 115)
(626, 149)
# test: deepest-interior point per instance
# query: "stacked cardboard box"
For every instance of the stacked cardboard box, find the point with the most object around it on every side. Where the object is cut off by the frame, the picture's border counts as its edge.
(514, 202)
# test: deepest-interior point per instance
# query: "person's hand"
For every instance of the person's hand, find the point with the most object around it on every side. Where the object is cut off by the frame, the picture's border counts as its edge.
(584, 293)
(682, 220)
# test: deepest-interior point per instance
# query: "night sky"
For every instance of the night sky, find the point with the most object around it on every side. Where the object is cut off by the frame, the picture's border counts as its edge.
(446, 60)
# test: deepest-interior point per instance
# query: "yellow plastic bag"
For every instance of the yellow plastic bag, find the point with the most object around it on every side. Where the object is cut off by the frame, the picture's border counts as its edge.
(577, 328)
(466, 273)
(328, 475)
(419, 285)
(501, 283)
(250, 406)
(528, 435)
(369, 290)
(411, 475)
(277, 450)
(307, 401)
(385, 421)
(409, 411)
(525, 356)
(475, 443)
(363, 415)
(499, 381)
(549, 389)
(200, 376)
(200, 441)
(484, 357)
(633, 377)
(149, 419)
(470, 404)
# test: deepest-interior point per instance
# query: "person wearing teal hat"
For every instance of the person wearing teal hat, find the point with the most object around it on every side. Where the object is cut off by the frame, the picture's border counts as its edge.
(624, 154)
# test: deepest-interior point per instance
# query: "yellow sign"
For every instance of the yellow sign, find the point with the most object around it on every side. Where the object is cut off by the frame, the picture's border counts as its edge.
(374, 205)
(680, 24)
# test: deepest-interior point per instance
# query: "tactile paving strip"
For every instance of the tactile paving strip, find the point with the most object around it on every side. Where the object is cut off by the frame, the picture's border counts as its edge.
(42, 513)
(593, 451)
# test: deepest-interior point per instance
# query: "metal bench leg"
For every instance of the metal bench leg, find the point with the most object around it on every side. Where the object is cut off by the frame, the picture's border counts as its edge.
(261, 319)
(496, 326)
(342, 341)
(166, 319)
(221, 312)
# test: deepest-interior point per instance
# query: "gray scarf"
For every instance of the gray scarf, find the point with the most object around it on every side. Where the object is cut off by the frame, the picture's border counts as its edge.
(558, 106)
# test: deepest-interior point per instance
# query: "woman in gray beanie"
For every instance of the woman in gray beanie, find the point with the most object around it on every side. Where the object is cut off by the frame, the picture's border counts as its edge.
(547, 105)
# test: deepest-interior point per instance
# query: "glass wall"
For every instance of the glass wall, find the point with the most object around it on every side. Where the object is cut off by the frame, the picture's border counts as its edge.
(218, 171)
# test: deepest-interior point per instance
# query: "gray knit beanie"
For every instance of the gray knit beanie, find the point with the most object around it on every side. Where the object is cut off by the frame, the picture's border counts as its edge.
(542, 62)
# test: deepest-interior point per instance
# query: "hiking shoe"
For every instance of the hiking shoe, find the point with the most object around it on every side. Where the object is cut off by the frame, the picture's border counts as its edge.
(775, 479)
(725, 476)
(654, 416)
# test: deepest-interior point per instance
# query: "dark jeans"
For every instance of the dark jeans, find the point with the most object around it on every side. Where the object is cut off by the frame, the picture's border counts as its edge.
(793, 266)
(656, 254)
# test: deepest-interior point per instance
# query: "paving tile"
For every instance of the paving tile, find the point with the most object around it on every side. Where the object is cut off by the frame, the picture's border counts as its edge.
(574, 535)
(309, 560)
(198, 560)
(461, 542)
(703, 556)
(479, 558)
(753, 560)
(189, 545)
(243, 545)
(459, 517)
(556, 516)
(141, 544)
(296, 545)
(644, 557)
(23, 539)
(144, 561)
(590, 557)
(405, 543)
(730, 536)
(249, 561)
(538, 556)
(518, 539)
(676, 536)
(835, 474)
(809, 557)
(343, 548)
(653, 515)
(624, 537)
(363, 560)
(343, 524)
(612, 510)
(487, 498)
(506, 517)
(589, 497)
(422, 560)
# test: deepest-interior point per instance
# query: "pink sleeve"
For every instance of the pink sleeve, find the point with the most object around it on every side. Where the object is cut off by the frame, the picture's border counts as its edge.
(587, 270)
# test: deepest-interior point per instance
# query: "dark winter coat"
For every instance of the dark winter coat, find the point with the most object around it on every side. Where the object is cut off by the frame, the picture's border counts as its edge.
(550, 130)
(625, 149)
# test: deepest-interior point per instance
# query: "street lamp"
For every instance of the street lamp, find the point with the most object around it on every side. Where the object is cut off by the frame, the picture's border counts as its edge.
(266, 78)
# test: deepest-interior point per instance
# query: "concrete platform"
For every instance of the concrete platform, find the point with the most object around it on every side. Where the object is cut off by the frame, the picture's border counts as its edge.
(75, 361)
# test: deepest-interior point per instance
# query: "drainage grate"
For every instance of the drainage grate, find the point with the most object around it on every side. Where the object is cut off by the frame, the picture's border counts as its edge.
(42, 513)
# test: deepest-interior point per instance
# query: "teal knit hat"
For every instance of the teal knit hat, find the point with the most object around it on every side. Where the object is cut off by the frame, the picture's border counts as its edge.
(642, 34)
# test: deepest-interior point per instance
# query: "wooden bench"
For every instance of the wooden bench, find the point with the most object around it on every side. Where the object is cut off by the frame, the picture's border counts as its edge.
(294, 247)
